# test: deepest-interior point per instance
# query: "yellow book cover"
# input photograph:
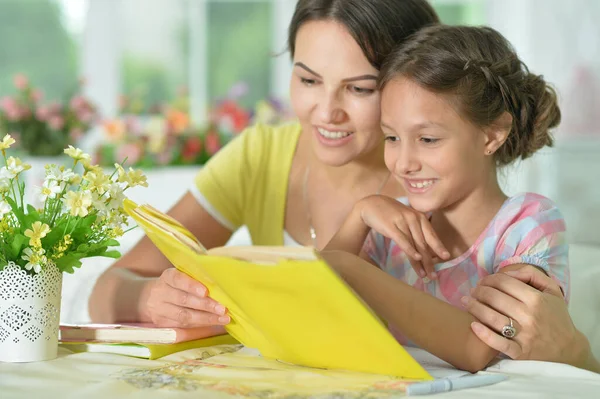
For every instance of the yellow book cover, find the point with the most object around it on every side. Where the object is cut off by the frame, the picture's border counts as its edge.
(284, 301)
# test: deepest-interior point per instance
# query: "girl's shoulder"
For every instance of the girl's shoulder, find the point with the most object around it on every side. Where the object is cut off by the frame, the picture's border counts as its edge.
(530, 200)
(525, 219)
(527, 206)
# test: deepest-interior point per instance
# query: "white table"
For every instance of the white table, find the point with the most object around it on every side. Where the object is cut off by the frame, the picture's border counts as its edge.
(183, 375)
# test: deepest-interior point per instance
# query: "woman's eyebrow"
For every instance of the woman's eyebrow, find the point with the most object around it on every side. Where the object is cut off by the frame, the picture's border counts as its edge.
(352, 79)
(303, 66)
(361, 77)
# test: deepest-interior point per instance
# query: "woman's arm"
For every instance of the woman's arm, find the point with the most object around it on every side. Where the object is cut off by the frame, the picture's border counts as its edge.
(434, 325)
(121, 293)
(545, 330)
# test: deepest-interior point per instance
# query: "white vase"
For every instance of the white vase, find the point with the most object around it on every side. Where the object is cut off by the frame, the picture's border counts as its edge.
(29, 313)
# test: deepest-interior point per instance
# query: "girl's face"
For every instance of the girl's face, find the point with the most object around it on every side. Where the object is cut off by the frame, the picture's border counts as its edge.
(333, 93)
(438, 156)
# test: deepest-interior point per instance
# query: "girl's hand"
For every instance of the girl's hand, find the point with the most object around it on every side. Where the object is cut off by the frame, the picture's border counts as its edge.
(408, 228)
(177, 300)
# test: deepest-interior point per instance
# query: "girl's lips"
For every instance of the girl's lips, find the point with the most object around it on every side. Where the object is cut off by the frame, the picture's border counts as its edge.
(419, 186)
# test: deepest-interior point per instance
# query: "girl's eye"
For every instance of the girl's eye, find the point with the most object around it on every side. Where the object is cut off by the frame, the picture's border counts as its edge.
(307, 82)
(429, 140)
(361, 90)
(392, 139)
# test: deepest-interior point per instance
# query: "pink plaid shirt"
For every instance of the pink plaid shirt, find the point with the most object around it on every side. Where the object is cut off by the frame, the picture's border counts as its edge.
(527, 229)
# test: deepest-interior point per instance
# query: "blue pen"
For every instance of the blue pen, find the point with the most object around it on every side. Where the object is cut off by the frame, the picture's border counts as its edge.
(453, 384)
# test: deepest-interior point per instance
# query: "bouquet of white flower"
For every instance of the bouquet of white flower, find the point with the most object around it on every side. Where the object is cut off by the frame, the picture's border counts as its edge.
(81, 213)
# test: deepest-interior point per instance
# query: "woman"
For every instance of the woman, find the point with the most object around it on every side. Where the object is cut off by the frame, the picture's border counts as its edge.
(293, 184)
(543, 328)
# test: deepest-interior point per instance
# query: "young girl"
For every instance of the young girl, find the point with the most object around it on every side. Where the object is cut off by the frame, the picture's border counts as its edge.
(457, 103)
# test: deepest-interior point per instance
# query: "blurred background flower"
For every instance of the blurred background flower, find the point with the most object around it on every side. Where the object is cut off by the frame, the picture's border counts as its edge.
(45, 129)
(221, 65)
(167, 136)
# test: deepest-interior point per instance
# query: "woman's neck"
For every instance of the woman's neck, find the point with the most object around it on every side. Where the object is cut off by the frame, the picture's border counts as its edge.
(461, 224)
(369, 167)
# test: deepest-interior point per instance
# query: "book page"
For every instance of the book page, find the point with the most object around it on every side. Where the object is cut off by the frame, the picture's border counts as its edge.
(265, 255)
(172, 230)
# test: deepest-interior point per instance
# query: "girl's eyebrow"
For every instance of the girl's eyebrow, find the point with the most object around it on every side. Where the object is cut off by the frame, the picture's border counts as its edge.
(352, 79)
(386, 126)
(416, 127)
(425, 125)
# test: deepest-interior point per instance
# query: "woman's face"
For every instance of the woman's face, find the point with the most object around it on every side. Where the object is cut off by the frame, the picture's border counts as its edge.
(333, 93)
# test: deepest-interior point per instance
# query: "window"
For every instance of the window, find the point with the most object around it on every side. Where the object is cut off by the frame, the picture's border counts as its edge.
(239, 49)
(460, 12)
(38, 41)
(232, 39)
(153, 54)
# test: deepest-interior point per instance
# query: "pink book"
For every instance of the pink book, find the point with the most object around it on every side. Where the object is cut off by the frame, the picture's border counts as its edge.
(143, 333)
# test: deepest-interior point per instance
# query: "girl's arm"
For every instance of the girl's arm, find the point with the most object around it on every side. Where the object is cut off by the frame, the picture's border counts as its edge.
(409, 229)
(434, 325)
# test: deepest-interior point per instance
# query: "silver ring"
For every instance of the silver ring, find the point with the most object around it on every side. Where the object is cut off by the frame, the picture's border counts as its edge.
(509, 331)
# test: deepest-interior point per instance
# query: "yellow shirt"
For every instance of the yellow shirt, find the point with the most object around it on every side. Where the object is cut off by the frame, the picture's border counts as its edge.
(246, 182)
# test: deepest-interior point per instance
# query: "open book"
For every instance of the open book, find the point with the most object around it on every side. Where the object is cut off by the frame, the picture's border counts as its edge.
(284, 301)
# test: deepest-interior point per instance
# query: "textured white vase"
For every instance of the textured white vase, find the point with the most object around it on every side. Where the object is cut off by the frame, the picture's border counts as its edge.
(29, 314)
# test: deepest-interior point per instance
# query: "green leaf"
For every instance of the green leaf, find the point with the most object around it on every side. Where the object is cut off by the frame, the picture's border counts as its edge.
(32, 216)
(84, 227)
(92, 249)
(16, 210)
(84, 248)
(56, 234)
(68, 263)
(112, 243)
(97, 252)
(111, 254)
(18, 241)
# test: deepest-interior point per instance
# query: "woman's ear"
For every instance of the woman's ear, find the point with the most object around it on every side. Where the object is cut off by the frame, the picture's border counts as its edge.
(497, 132)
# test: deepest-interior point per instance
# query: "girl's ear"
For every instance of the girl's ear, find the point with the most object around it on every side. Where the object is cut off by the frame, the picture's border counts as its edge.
(497, 132)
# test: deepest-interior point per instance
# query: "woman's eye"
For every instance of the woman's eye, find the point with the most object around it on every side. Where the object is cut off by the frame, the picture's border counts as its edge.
(361, 90)
(429, 140)
(391, 138)
(307, 82)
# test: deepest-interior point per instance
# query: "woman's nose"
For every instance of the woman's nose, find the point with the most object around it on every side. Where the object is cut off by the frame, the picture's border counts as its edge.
(330, 109)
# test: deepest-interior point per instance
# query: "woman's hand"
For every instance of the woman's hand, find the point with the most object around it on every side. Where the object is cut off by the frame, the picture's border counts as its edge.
(544, 329)
(177, 300)
(408, 228)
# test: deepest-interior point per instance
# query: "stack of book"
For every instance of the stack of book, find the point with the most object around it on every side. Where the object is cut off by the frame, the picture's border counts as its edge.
(140, 340)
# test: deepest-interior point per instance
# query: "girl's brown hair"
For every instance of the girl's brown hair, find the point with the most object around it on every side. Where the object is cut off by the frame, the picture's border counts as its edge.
(480, 71)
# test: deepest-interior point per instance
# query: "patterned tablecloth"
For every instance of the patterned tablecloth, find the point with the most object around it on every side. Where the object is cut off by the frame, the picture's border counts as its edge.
(232, 371)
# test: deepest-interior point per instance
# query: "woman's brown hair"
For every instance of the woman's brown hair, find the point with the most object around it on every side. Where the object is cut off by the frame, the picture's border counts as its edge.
(376, 25)
(481, 73)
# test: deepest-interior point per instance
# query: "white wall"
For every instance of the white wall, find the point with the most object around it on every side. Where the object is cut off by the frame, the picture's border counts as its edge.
(561, 40)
